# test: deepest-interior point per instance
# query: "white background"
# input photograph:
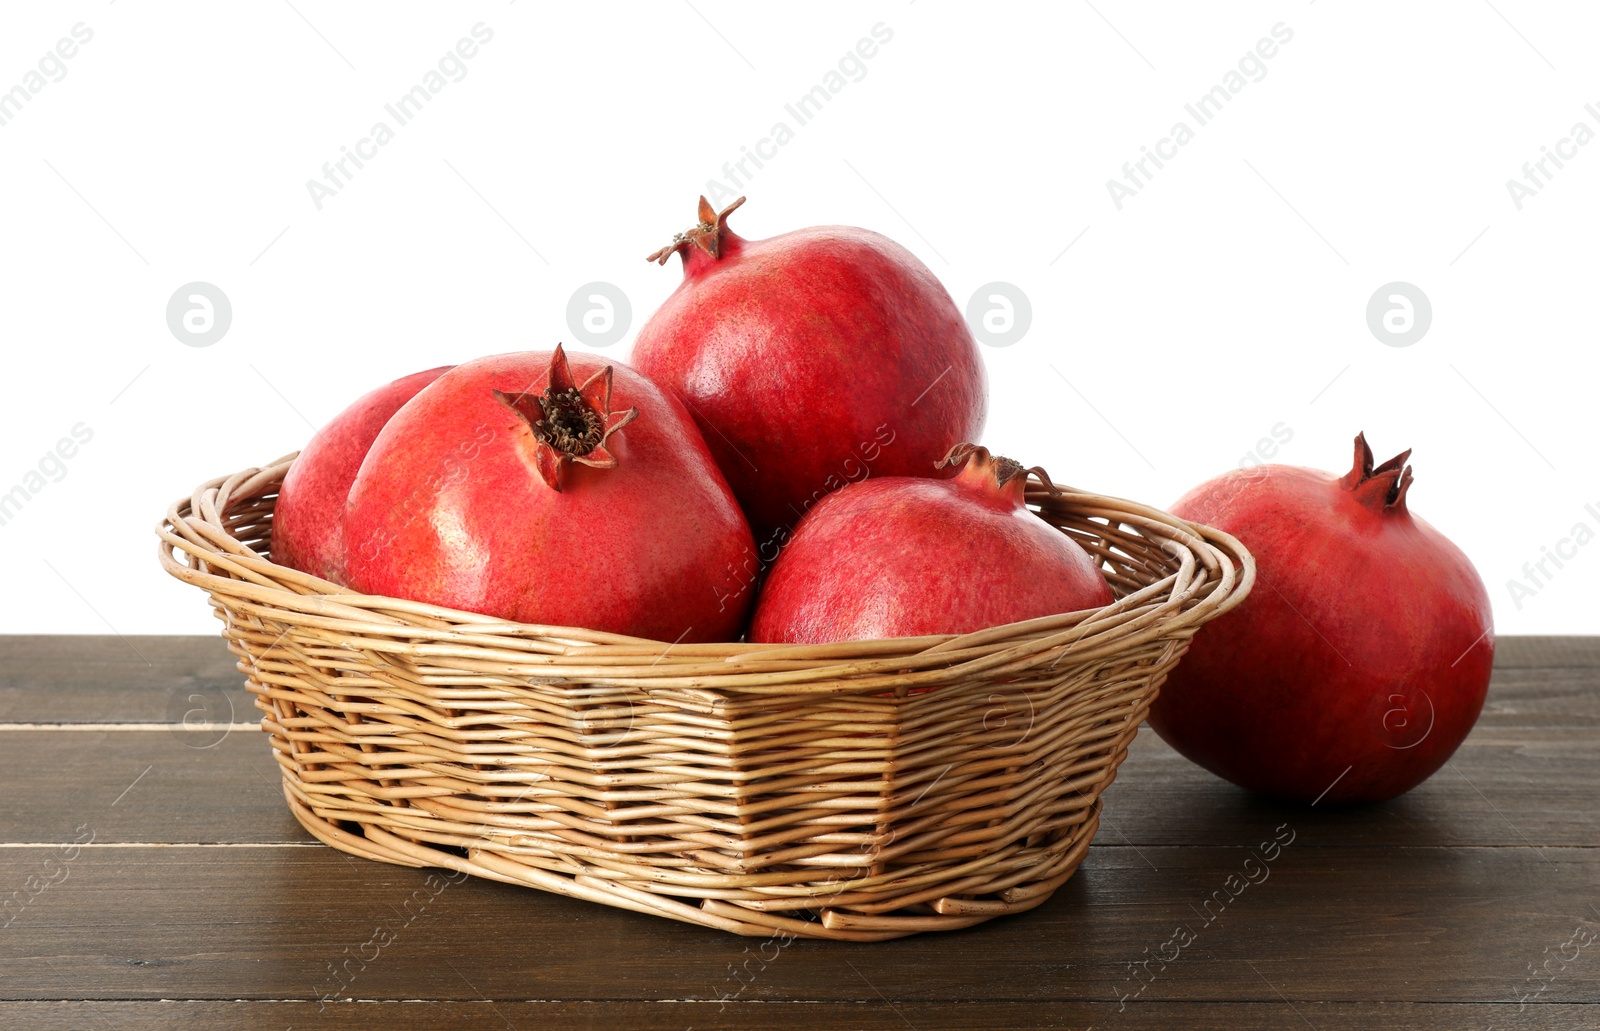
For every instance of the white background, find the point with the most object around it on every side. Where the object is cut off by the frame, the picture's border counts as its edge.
(1228, 296)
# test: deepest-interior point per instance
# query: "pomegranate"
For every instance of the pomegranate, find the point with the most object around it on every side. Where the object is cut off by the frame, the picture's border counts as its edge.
(811, 360)
(545, 490)
(308, 518)
(902, 556)
(1361, 659)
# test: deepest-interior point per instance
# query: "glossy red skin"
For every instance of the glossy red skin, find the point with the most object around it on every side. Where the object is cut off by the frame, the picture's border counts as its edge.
(801, 354)
(905, 556)
(449, 508)
(308, 517)
(1359, 661)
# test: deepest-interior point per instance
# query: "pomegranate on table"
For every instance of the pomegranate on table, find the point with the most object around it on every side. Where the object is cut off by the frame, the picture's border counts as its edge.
(308, 518)
(550, 489)
(811, 360)
(905, 556)
(1360, 661)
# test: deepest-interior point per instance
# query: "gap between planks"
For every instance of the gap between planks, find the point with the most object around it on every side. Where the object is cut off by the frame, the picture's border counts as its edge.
(195, 727)
(90, 846)
(1107, 846)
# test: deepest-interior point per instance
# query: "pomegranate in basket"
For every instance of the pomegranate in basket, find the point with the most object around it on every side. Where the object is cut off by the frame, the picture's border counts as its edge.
(903, 556)
(308, 517)
(811, 360)
(552, 490)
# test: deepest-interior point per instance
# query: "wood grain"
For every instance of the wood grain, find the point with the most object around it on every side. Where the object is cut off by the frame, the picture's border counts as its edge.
(873, 1015)
(216, 785)
(109, 679)
(1431, 911)
(1505, 787)
(1323, 922)
(165, 785)
(1547, 652)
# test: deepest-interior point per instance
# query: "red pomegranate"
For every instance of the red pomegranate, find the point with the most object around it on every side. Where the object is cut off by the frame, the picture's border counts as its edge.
(308, 517)
(811, 360)
(531, 489)
(902, 556)
(1361, 659)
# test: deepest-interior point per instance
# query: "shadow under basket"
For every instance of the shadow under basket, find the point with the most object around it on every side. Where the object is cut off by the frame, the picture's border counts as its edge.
(854, 791)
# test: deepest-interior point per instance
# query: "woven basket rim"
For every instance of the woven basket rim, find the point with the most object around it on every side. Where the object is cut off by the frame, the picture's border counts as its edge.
(1214, 573)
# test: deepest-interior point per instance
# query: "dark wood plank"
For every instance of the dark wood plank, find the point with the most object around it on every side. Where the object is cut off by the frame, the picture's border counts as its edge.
(168, 785)
(1504, 787)
(1525, 696)
(1330, 924)
(109, 679)
(796, 1016)
(1547, 652)
(1501, 789)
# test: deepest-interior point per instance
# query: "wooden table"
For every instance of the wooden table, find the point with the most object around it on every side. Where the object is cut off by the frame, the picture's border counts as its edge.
(156, 880)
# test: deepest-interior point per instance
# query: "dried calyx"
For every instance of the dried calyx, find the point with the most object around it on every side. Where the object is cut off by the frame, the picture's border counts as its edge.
(982, 467)
(706, 235)
(570, 423)
(1382, 487)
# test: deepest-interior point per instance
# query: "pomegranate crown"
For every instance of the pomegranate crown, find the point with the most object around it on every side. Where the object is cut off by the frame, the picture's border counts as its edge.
(980, 464)
(707, 234)
(569, 423)
(1381, 488)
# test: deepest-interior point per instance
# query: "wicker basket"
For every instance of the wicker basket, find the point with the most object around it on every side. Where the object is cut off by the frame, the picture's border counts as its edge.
(855, 791)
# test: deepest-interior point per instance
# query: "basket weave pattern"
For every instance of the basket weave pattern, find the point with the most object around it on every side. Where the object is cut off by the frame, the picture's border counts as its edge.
(861, 791)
